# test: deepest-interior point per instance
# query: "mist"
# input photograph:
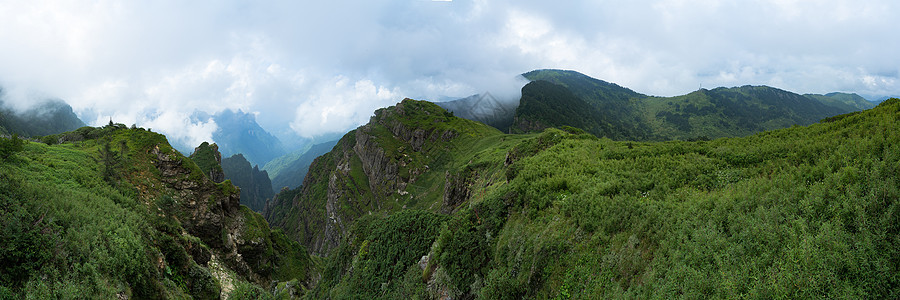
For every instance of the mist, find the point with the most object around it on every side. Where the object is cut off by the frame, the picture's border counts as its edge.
(309, 70)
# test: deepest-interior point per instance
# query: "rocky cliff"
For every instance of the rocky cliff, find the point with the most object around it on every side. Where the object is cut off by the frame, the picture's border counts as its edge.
(237, 238)
(374, 169)
(256, 188)
(132, 217)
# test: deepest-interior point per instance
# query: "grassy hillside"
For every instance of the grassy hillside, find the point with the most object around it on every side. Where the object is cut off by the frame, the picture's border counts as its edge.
(397, 161)
(844, 101)
(731, 112)
(801, 212)
(703, 114)
(117, 212)
(545, 105)
(613, 101)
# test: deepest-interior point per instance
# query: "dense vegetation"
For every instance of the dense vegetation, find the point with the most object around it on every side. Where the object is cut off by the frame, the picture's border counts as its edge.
(420, 203)
(844, 101)
(622, 114)
(209, 160)
(545, 104)
(255, 186)
(118, 213)
(801, 212)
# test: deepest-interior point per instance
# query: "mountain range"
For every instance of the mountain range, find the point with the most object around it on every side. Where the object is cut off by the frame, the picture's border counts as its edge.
(420, 203)
(556, 98)
(599, 192)
(238, 132)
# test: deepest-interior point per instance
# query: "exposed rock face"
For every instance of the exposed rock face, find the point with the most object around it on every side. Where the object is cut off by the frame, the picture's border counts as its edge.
(456, 191)
(256, 188)
(381, 172)
(212, 214)
(369, 166)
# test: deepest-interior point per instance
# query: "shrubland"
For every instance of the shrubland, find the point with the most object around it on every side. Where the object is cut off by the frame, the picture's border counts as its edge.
(800, 212)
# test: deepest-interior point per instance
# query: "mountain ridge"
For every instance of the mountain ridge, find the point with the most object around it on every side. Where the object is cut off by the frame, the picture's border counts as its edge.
(545, 214)
(720, 112)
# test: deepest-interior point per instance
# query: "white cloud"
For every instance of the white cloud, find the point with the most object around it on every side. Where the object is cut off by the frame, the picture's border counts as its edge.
(313, 68)
(341, 103)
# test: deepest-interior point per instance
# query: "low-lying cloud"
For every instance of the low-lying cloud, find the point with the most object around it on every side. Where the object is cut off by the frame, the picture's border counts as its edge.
(309, 69)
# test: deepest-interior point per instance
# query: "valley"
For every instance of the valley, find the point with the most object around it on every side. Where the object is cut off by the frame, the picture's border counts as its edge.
(585, 190)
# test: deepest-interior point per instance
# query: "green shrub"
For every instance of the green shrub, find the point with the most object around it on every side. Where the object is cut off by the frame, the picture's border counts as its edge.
(11, 145)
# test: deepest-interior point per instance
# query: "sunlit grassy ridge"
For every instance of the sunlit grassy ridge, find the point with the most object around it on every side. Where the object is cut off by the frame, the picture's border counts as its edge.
(802, 212)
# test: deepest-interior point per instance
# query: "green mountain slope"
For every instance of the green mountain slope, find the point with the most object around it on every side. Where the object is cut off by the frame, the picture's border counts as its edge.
(801, 212)
(614, 101)
(729, 112)
(120, 214)
(546, 104)
(209, 160)
(396, 161)
(49, 117)
(844, 101)
(703, 114)
(255, 186)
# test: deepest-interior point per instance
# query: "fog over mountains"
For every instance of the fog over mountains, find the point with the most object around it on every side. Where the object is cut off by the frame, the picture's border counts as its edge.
(323, 68)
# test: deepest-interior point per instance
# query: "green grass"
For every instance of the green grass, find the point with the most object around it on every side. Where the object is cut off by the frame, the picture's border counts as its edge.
(801, 212)
(93, 216)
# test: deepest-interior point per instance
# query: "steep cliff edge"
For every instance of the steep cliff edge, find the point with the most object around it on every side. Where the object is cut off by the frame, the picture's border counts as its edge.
(398, 160)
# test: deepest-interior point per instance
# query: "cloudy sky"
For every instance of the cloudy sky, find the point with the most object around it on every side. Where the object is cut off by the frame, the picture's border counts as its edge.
(308, 68)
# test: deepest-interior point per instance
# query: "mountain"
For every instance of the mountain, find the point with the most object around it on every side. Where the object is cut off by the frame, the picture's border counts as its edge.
(597, 92)
(614, 101)
(48, 117)
(120, 214)
(290, 170)
(546, 104)
(256, 189)
(623, 114)
(379, 166)
(238, 132)
(484, 108)
(843, 101)
(419, 203)
(726, 112)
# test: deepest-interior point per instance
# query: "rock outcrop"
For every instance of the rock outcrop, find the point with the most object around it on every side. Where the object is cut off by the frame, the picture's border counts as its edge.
(368, 171)
(256, 188)
(212, 212)
(208, 158)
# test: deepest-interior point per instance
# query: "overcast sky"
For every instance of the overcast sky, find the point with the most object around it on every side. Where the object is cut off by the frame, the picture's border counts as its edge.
(308, 68)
